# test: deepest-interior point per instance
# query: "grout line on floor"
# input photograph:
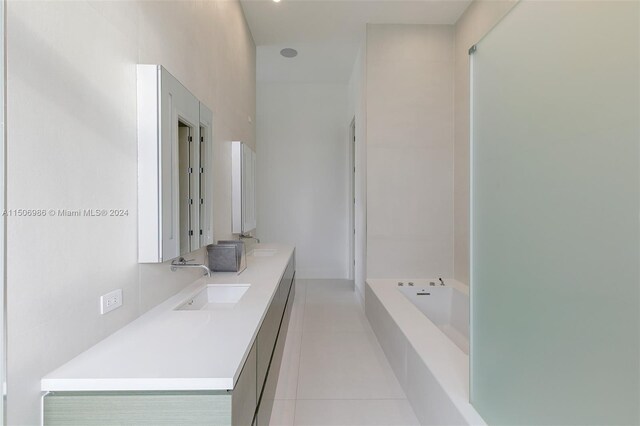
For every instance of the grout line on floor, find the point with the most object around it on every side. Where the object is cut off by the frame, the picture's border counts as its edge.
(366, 330)
(350, 399)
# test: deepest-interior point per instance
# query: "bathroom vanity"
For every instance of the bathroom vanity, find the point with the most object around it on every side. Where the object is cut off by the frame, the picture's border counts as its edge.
(210, 355)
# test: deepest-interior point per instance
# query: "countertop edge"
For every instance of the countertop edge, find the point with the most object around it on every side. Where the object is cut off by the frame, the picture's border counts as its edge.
(55, 381)
(125, 384)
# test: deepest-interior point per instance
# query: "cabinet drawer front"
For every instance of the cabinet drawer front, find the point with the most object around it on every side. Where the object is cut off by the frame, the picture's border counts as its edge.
(268, 333)
(289, 306)
(245, 396)
(268, 394)
(137, 408)
(266, 340)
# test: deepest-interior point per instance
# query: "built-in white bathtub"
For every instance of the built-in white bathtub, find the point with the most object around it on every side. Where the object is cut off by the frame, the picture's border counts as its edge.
(424, 332)
(446, 306)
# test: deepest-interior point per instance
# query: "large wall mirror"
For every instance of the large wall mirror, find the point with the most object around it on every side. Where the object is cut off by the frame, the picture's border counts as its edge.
(174, 170)
(243, 188)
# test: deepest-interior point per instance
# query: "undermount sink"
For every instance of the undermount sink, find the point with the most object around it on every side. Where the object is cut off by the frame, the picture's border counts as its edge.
(263, 252)
(215, 296)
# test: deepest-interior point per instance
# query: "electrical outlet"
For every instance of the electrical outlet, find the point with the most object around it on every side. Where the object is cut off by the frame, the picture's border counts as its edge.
(110, 301)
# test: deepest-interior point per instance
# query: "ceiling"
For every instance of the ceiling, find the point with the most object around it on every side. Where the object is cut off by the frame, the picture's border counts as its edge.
(328, 33)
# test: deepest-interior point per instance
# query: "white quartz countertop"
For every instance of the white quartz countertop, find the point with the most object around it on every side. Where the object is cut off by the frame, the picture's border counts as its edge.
(165, 349)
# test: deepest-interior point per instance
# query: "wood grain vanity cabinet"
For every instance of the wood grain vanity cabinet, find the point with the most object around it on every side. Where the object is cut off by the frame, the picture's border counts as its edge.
(287, 292)
(269, 331)
(248, 404)
(270, 348)
(244, 397)
(137, 408)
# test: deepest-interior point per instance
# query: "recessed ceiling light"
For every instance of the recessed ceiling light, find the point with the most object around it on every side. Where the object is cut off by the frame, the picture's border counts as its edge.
(289, 52)
(276, 1)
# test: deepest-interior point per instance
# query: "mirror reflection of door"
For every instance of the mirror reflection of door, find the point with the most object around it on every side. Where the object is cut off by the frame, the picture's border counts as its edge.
(202, 184)
(185, 170)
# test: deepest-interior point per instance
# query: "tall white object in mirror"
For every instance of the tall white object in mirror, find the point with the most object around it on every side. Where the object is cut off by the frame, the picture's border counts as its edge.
(206, 176)
(243, 188)
(174, 146)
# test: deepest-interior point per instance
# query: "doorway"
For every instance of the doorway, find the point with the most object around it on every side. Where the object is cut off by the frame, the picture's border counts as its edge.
(3, 293)
(352, 199)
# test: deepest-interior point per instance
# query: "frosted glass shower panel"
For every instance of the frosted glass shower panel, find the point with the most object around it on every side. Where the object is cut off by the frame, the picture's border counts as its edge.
(555, 208)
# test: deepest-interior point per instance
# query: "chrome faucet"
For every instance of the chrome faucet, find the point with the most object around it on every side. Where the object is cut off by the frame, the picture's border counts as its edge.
(182, 263)
(249, 237)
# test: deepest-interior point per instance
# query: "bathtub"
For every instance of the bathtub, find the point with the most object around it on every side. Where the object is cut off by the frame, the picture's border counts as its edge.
(446, 306)
(424, 332)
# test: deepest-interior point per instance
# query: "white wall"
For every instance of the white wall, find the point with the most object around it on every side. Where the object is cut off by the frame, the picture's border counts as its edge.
(71, 144)
(478, 19)
(357, 108)
(409, 98)
(303, 180)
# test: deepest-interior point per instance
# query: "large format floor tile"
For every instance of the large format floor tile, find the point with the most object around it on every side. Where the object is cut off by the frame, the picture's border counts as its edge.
(372, 412)
(336, 291)
(283, 412)
(334, 318)
(345, 365)
(288, 378)
(334, 371)
(332, 305)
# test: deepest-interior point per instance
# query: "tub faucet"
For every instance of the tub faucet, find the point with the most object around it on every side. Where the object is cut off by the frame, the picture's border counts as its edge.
(182, 263)
(441, 281)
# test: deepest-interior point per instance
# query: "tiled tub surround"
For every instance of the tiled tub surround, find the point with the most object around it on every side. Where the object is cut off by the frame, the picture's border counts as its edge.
(431, 368)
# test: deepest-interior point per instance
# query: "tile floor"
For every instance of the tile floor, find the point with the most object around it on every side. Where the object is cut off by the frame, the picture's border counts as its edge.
(333, 369)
